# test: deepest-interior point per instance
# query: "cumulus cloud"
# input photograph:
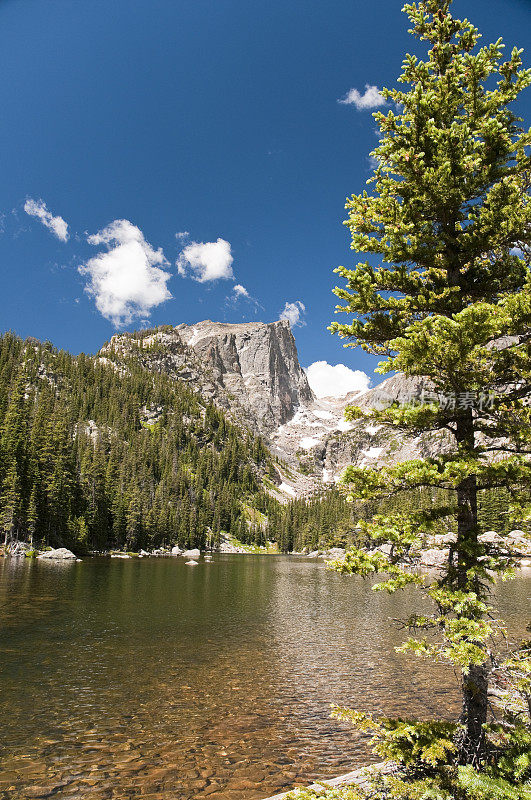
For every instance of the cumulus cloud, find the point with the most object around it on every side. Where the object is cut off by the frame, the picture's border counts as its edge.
(126, 280)
(206, 261)
(57, 225)
(240, 291)
(327, 380)
(371, 98)
(293, 313)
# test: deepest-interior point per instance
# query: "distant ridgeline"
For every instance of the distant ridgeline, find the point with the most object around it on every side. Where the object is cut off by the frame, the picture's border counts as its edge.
(97, 455)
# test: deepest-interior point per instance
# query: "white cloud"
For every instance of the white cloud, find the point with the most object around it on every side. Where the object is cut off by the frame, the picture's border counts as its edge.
(126, 280)
(182, 235)
(206, 261)
(371, 98)
(240, 291)
(57, 225)
(327, 380)
(293, 313)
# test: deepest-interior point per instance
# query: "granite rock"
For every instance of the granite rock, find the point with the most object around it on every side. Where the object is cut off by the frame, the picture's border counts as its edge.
(60, 554)
(195, 553)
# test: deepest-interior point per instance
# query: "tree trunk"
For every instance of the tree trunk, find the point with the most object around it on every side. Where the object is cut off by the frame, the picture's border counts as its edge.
(472, 741)
(467, 532)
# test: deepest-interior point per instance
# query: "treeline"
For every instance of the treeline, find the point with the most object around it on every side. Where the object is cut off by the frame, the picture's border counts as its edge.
(327, 520)
(314, 523)
(96, 456)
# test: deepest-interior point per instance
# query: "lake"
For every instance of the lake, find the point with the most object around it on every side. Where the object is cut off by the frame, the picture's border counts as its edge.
(149, 678)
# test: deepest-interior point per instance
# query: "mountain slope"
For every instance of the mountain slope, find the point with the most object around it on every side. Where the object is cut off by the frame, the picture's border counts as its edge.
(252, 372)
(322, 442)
(96, 454)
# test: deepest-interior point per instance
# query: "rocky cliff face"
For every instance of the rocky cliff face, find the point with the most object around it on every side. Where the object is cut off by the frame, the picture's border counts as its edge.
(251, 369)
(257, 363)
(321, 442)
(367, 445)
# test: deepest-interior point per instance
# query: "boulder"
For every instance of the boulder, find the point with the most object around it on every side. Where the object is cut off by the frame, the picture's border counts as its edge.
(520, 540)
(522, 545)
(335, 552)
(191, 563)
(489, 537)
(514, 542)
(61, 554)
(443, 538)
(434, 558)
(227, 547)
(195, 553)
(176, 551)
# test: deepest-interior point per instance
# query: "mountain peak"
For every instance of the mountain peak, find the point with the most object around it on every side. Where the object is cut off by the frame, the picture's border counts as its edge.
(250, 368)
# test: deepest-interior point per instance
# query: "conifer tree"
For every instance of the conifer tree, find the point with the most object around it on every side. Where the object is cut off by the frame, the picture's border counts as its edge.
(134, 519)
(446, 295)
(33, 514)
(10, 503)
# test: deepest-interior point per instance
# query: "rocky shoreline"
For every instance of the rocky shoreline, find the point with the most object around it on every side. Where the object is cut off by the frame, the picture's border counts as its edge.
(438, 550)
(359, 778)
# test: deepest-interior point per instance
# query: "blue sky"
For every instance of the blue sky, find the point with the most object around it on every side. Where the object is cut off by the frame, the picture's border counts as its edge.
(218, 119)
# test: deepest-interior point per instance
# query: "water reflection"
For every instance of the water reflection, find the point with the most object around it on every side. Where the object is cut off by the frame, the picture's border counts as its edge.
(150, 679)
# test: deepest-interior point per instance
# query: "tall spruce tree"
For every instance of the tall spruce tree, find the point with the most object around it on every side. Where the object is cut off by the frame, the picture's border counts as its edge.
(446, 295)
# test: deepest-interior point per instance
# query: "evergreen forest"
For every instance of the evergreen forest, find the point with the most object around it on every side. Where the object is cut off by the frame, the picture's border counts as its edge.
(97, 456)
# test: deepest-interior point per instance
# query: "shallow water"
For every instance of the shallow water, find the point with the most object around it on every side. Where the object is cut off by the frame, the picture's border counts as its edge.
(149, 678)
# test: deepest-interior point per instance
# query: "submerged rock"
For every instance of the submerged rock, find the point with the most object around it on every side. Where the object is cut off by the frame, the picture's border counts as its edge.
(191, 563)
